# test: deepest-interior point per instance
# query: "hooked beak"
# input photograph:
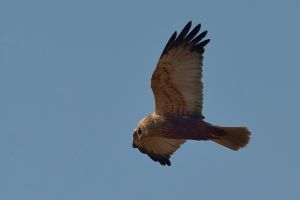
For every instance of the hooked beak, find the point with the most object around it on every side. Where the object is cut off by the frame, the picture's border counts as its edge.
(134, 135)
(133, 145)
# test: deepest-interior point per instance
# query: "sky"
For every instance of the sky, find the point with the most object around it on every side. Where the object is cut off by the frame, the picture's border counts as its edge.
(75, 81)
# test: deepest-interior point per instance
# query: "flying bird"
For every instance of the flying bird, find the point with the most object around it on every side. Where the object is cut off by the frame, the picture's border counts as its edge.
(178, 93)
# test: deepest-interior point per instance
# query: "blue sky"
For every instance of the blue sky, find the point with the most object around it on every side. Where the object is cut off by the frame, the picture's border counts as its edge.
(74, 82)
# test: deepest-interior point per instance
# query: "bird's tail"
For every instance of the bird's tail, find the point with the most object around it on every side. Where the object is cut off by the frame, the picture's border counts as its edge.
(233, 138)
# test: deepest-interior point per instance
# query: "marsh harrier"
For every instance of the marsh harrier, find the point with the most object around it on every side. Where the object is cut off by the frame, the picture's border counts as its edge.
(178, 92)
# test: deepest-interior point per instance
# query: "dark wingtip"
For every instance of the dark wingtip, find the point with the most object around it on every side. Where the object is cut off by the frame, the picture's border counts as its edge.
(165, 162)
(199, 37)
(188, 24)
(184, 32)
(204, 43)
(187, 38)
(169, 43)
(200, 47)
(193, 33)
(169, 163)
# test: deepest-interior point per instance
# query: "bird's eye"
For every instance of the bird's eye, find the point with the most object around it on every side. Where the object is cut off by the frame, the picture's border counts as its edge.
(139, 132)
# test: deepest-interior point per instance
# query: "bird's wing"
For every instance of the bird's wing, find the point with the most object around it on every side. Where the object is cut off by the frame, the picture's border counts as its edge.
(160, 149)
(176, 81)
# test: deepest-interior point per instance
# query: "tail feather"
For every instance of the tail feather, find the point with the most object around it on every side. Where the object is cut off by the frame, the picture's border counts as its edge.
(234, 137)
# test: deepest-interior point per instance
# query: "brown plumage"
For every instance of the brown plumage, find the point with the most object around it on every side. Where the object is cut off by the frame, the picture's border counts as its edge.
(178, 92)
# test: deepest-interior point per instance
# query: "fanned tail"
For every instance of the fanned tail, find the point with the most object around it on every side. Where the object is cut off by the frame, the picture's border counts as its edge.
(234, 137)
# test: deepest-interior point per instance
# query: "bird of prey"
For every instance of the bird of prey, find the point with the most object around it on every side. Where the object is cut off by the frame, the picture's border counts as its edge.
(178, 93)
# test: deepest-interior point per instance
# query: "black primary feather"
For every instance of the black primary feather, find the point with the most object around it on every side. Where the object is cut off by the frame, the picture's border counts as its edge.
(171, 41)
(184, 32)
(199, 37)
(163, 160)
(193, 33)
(200, 47)
(188, 39)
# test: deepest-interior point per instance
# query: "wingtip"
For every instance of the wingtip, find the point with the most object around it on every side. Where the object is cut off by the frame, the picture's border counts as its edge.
(188, 38)
(198, 26)
(205, 42)
(174, 34)
(184, 31)
(189, 24)
(165, 163)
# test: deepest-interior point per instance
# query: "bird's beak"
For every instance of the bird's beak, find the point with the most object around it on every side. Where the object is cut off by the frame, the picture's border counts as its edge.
(134, 136)
(133, 145)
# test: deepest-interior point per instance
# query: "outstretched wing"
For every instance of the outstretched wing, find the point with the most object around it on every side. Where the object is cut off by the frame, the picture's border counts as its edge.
(160, 149)
(176, 81)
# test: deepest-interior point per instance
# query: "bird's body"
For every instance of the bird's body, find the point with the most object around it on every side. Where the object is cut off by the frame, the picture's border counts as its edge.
(176, 127)
(177, 87)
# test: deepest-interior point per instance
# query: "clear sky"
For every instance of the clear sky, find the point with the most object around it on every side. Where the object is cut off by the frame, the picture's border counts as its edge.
(74, 82)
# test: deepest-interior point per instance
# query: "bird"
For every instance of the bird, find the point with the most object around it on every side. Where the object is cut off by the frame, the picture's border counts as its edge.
(178, 93)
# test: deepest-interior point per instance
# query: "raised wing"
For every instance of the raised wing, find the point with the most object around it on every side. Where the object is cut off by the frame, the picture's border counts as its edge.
(160, 149)
(176, 81)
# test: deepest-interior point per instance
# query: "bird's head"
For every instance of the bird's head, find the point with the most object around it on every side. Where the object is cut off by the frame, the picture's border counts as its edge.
(146, 127)
(139, 133)
(151, 137)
